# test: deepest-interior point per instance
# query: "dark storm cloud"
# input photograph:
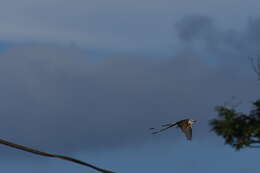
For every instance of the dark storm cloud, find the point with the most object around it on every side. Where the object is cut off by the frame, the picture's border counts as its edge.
(193, 27)
(54, 99)
(102, 25)
(237, 43)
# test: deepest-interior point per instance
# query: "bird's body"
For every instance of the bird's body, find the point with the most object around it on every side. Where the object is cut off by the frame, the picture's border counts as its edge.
(27, 149)
(185, 125)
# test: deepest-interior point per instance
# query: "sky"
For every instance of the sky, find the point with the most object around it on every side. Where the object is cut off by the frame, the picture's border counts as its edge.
(88, 79)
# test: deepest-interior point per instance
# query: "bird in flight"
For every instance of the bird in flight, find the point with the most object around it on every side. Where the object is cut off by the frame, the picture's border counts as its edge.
(27, 149)
(185, 125)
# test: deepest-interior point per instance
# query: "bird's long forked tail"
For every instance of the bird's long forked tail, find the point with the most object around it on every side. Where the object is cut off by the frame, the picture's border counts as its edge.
(167, 126)
(21, 147)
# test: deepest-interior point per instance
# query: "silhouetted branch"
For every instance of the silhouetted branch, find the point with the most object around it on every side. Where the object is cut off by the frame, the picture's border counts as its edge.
(254, 146)
(239, 130)
(253, 141)
(255, 62)
(233, 103)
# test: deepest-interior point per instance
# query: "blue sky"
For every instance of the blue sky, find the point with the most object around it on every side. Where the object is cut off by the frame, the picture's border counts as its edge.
(88, 79)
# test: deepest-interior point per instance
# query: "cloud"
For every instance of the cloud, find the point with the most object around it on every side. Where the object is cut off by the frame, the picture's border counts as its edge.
(132, 26)
(194, 26)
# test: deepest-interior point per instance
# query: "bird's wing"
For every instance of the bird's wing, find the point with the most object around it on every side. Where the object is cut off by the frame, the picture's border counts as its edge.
(187, 131)
(20, 147)
(169, 126)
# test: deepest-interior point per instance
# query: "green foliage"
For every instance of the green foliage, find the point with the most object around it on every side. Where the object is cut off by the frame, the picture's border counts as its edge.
(238, 129)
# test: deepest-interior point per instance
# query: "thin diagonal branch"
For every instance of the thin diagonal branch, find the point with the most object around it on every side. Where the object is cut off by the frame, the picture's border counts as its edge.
(27, 149)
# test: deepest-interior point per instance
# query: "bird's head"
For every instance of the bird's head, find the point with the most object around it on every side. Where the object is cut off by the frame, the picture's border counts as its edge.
(193, 121)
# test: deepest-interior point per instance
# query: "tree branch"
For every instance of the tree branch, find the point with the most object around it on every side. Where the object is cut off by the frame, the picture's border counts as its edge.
(256, 65)
(255, 141)
(250, 146)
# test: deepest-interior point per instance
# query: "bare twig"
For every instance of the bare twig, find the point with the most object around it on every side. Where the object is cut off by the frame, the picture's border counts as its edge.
(231, 103)
(255, 62)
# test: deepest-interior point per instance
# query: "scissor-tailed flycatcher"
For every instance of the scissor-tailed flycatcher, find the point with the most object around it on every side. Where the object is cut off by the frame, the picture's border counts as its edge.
(185, 125)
